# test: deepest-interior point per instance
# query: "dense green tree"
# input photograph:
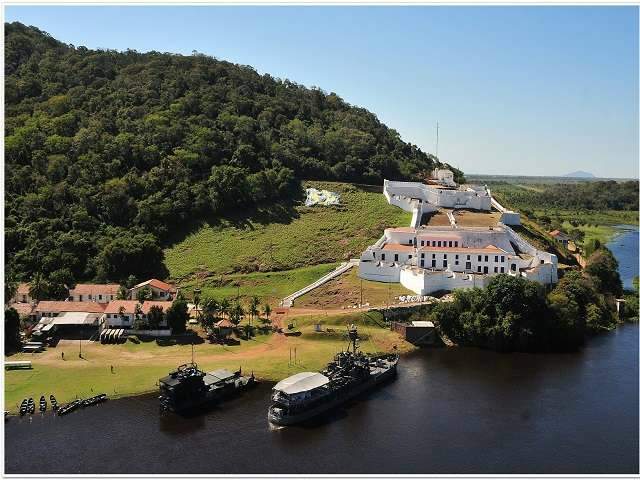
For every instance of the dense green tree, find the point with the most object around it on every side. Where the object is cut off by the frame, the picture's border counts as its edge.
(110, 154)
(144, 294)
(177, 316)
(155, 316)
(11, 330)
(603, 268)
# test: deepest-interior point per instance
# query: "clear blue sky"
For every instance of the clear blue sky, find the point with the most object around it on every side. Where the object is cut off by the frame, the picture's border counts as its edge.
(517, 90)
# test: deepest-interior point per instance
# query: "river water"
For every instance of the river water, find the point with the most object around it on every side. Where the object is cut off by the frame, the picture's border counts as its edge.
(449, 411)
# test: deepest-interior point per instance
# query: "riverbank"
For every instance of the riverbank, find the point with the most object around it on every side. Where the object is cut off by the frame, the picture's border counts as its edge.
(138, 366)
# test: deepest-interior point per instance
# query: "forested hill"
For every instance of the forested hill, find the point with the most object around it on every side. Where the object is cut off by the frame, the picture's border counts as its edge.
(107, 152)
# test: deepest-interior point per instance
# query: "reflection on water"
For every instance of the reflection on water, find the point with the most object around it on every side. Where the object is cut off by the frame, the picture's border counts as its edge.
(449, 411)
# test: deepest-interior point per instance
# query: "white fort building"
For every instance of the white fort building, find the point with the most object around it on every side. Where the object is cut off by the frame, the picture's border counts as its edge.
(466, 240)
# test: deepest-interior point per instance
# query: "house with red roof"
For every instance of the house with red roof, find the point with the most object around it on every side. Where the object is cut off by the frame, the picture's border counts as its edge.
(159, 290)
(122, 313)
(22, 293)
(53, 308)
(94, 292)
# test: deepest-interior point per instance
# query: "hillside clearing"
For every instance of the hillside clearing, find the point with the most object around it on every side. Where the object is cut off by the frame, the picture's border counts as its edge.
(311, 236)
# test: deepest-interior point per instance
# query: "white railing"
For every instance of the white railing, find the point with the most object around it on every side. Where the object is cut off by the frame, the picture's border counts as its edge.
(288, 300)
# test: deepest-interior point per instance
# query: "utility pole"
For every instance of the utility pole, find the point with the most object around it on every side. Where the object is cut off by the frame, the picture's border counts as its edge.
(437, 137)
(360, 293)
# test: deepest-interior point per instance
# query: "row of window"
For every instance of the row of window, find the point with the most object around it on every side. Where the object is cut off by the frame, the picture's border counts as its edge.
(481, 269)
(438, 243)
(433, 256)
(98, 297)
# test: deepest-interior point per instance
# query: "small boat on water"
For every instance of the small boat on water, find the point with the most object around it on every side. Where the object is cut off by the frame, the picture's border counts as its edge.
(31, 406)
(43, 404)
(69, 407)
(54, 403)
(94, 400)
(23, 407)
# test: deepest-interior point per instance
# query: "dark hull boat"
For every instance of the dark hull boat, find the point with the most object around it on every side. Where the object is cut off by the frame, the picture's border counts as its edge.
(94, 400)
(43, 404)
(305, 395)
(24, 408)
(54, 403)
(31, 406)
(69, 407)
(187, 388)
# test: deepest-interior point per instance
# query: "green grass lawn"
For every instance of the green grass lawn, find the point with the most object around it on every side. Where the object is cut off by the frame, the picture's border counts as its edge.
(268, 286)
(137, 367)
(303, 237)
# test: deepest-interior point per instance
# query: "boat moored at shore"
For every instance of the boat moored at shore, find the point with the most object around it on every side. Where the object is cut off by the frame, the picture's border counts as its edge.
(305, 395)
(188, 388)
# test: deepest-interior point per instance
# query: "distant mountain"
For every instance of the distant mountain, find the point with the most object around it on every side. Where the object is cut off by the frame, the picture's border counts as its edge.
(580, 174)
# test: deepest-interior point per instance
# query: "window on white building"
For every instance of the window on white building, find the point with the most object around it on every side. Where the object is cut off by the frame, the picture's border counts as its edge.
(496, 259)
(395, 257)
(502, 258)
(382, 256)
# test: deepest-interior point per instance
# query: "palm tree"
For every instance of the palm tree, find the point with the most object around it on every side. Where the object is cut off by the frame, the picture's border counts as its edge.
(196, 302)
(224, 307)
(253, 307)
(236, 313)
(266, 310)
(210, 310)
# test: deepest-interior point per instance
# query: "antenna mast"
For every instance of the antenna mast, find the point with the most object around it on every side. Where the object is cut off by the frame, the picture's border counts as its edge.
(437, 137)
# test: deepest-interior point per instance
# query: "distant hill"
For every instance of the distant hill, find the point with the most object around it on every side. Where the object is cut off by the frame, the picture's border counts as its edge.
(580, 174)
(109, 155)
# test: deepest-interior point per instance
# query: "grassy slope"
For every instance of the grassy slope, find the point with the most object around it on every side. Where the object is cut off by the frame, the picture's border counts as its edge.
(312, 237)
(138, 366)
(345, 291)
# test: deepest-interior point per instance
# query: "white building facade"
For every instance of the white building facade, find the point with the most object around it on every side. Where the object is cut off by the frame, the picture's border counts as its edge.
(428, 259)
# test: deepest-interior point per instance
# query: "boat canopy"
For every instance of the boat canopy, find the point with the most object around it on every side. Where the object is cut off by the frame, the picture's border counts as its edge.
(301, 382)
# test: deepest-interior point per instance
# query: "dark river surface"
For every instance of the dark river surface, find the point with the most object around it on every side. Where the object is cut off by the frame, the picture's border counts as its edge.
(449, 411)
